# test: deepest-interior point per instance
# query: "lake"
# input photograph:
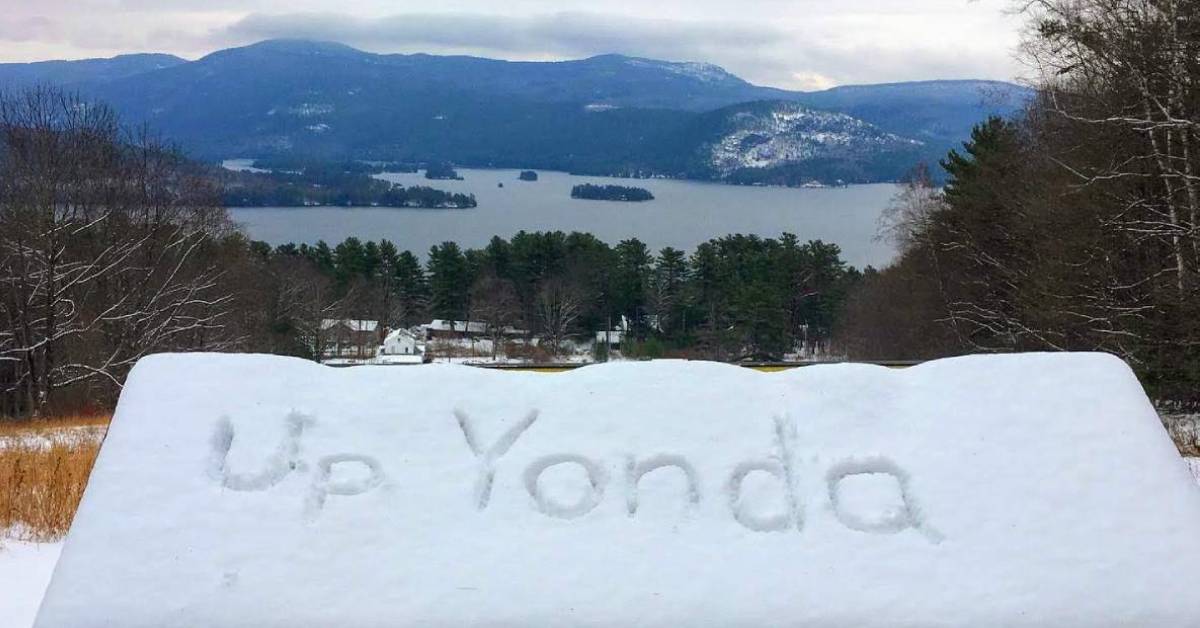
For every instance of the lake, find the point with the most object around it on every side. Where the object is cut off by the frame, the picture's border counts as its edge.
(683, 214)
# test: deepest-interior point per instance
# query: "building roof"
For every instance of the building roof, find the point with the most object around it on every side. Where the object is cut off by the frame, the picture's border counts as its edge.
(396, 334)
(473, 327)
(351, 324)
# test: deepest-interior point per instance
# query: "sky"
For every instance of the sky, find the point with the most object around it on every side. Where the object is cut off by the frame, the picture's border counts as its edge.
(795, 44)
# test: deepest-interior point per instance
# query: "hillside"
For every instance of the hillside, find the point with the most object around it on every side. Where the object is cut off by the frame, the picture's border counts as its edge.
(18, 75)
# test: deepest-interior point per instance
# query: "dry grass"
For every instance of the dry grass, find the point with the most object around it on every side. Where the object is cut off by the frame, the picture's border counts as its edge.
(44, 467)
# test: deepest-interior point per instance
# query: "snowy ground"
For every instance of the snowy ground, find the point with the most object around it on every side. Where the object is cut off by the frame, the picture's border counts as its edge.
(25, 570)
(45, 437)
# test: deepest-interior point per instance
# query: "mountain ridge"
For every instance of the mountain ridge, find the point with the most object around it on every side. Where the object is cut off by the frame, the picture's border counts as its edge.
(604, 114)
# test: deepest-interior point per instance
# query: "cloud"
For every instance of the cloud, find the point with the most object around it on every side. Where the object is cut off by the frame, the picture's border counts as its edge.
(797, 44)
(27, 29)
(557, 34)
(812, 53)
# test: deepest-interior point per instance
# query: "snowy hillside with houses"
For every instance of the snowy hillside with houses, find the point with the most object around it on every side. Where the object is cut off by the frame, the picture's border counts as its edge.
(350, 342)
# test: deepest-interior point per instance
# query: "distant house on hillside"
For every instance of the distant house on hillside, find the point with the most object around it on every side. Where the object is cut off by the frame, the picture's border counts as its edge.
(440, 328)
(610, 337)
(613, 337)
(349, 338)
(401, 345)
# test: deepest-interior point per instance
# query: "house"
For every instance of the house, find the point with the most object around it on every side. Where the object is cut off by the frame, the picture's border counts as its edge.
(348, 338)
(440, 328)
(613, 337)
(399, 346)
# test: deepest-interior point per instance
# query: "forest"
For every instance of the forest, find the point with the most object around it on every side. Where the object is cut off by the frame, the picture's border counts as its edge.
(1074, 226)
(442, 170)
(733, 298)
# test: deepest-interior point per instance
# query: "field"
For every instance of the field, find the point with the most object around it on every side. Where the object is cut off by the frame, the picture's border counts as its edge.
(44, 467)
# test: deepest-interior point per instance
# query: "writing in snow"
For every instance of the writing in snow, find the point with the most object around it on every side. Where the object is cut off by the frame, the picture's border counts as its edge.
(286, 460)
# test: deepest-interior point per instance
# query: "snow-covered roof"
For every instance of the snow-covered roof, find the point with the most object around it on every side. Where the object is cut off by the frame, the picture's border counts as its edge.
(395, 334)
(438, 324)
(352, 324)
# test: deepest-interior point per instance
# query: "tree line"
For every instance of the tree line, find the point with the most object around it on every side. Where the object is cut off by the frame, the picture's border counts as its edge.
(734, 297)
(1073, 226)
(611, 193)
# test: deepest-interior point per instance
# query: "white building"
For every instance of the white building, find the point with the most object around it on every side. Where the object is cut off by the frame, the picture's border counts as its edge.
(401, 342)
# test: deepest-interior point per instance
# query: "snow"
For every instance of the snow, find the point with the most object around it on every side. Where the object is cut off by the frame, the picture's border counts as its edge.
(45, 438)
(25, 569)
(1019, 490)
(704, 72)
(1194, 466)
(789, 133)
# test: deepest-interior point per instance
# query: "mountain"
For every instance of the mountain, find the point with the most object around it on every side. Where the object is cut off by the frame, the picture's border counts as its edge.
(928, 110)
(19, 75)
(787, 143)
(604, 114)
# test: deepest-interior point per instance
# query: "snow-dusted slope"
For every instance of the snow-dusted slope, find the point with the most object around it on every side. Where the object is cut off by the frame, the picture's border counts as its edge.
(769, 135)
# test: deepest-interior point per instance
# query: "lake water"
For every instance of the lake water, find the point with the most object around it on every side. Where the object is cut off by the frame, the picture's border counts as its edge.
(683, 214)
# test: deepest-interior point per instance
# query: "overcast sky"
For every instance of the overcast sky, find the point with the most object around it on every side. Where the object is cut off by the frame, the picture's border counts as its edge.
(799, 44)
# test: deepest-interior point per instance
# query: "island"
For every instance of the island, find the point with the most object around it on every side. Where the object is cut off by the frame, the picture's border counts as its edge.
(528, 175)
(294, 165)
(331, 185)
(611, 193)
(442, 171)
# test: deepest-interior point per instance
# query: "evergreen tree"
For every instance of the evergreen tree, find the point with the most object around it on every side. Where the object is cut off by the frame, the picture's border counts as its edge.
(448, 281)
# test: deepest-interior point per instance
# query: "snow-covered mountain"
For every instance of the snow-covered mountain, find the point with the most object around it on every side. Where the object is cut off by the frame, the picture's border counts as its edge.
(770, 135)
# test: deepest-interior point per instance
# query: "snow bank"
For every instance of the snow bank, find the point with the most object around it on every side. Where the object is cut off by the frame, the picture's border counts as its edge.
(1029, 490)
(25, 569)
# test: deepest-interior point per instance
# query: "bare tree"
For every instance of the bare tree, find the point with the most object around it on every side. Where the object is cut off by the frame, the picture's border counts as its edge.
(558, 304)
(108, 247)
(494, 302)
(1128, 69)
